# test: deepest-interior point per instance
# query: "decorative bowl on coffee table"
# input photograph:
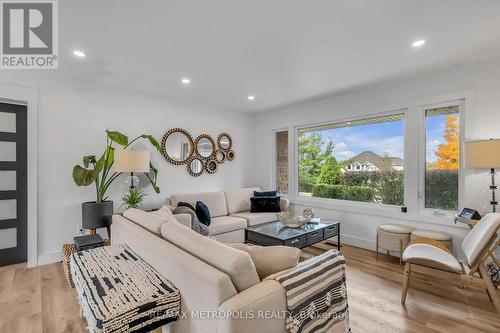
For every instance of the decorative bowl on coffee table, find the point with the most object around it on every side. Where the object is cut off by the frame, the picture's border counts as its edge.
(292, 219)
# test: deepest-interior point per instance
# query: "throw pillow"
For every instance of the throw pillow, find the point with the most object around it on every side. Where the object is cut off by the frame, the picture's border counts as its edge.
(265, 205)
(203, 213)
(265, 194)
(270, 259)
(186, 204)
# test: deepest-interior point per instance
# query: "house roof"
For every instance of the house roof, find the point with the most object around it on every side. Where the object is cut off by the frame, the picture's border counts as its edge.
(377, 160)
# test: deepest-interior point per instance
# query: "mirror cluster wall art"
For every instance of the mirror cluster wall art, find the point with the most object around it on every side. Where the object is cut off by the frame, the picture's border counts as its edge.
(202, 154)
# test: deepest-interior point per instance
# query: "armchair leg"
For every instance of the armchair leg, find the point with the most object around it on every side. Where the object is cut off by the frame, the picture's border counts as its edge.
(406, 282)
(400, 252)
(489, 286)
(376, 247)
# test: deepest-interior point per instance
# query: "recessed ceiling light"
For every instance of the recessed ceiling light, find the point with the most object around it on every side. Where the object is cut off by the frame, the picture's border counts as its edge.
(186, 81)
(251, 98)
(418, 43)
(79, 54)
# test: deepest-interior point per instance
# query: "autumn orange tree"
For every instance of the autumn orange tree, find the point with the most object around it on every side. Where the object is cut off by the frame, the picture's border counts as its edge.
(448, 152)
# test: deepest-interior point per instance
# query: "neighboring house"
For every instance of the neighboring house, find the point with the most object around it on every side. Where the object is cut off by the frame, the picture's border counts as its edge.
(369, 161)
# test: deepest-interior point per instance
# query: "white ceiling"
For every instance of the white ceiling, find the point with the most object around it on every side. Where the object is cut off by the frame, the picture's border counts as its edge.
(281, 51)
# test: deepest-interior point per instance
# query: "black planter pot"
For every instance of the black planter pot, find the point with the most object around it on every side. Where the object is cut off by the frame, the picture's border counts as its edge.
(96, 215)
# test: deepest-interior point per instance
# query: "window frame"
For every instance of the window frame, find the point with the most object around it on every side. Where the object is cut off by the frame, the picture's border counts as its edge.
(423, 158)
(346, 204)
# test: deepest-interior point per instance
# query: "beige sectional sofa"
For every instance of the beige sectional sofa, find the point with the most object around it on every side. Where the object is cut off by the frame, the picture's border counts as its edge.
(230, 212)
(221, 291)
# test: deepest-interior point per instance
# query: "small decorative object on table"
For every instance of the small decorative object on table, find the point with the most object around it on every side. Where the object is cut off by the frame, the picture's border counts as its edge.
(120, 292)
(88, 242)
(308, 214)
(291, 219)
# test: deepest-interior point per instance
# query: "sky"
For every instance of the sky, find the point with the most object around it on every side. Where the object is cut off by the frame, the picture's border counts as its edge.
(383, 139)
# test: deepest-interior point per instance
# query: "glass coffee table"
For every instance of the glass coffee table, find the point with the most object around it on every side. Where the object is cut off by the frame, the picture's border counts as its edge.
(276, 233)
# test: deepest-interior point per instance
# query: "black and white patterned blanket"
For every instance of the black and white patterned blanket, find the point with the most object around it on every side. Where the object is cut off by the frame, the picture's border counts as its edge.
(316, 294)
(120, 292)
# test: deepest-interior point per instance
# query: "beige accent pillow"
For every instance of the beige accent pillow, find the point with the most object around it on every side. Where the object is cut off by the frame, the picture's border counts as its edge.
(164, 212)
(238, 265)
(147, 220)
(270, 259)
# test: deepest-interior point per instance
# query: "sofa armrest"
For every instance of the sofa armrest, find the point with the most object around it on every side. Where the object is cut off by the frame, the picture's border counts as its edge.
(261, 308)
(184, 219)
(284, 204)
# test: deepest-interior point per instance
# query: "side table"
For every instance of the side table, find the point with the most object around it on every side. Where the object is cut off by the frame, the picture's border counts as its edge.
(67, 251)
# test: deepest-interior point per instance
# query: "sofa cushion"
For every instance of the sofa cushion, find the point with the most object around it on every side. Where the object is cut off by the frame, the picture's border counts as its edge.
(223, 224)
(237, 264)
(164, 212)
(203, 213)
(147, 220)
(186, 204)
(256, 218)
(265, 204)
(270, 259)
(215, 201)
(265, 194)
(239, 200)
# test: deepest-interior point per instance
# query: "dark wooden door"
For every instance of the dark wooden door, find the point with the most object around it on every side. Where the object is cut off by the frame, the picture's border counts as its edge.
(13, 184)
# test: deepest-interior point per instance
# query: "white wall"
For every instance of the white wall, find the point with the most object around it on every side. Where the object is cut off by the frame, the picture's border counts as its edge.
(73, 116)
(482, 80)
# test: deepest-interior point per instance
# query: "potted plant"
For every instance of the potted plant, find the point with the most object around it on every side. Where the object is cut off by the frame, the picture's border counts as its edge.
(133, 198)
(97, 214)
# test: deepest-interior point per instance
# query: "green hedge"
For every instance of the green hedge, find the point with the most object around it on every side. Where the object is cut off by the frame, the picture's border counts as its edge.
(342, 192)
(305, 187)
(389, 185)
(441, 189)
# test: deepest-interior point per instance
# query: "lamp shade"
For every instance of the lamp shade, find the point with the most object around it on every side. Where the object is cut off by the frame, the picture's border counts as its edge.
(483, 154)
(131, 160)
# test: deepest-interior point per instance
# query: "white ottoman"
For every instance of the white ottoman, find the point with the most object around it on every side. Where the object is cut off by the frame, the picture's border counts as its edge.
(393, 237)
(442, 237)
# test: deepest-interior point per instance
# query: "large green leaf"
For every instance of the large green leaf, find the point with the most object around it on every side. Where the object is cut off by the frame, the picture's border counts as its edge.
(152, 175)
(111, 157)
(118, 137)
(88, 159)
(154, 142)
(100, 163)
(84, 177)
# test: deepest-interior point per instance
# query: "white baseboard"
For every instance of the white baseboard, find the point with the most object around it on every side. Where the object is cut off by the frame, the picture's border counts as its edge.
(49, 258)
(367, 244)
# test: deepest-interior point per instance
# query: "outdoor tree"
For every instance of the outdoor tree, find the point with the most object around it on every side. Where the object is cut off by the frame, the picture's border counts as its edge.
(448, 152)
(312, 156)
(330, 172)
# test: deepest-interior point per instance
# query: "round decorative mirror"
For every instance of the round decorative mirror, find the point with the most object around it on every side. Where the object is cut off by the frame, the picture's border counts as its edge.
(220, 156)
(224, 141)
(178, 146)
(230, 155)
(212, 166)
(205, 146)
(195, 167)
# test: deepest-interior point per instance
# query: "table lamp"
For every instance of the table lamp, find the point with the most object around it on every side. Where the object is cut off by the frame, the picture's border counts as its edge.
(128, 160)
(484, 154)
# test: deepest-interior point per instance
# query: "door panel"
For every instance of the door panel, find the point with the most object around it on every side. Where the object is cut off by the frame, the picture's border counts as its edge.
(8, 180)
(7, 122)
(7, 151)
(13, 184)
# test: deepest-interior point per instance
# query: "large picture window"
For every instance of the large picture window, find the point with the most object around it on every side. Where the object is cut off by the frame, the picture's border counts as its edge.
(442, 157)
(359, 160)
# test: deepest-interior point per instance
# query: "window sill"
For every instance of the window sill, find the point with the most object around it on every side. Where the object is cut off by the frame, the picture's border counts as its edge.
(376, 210)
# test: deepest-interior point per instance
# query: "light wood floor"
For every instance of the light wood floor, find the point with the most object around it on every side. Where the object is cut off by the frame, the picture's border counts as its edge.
(40, 300)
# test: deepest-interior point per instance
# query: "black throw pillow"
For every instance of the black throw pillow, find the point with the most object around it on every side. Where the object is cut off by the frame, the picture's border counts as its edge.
(203, 213)
(186, 204)
(265, 194)
(265, 205)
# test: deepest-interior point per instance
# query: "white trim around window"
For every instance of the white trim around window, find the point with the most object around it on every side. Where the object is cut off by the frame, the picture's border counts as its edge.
(414, 111)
